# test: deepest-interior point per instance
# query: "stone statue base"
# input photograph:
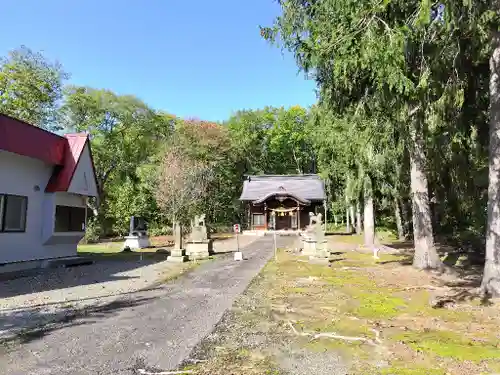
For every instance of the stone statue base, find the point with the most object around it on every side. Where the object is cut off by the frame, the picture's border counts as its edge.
(308, 246)
(177, 256)
(317, 251)
(311, 246)
(136, 242)
(199, 249)
(198, 234)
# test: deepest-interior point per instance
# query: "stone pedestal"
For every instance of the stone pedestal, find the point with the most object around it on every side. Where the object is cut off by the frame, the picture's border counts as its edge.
(318, 252)
(136, 242)
(177, 256)
(308, 246)
(199, 249)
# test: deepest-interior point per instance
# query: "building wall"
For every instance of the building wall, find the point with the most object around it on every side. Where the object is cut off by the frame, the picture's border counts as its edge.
(303, 221)
(25, 176)
(83, 181)
(260, 211)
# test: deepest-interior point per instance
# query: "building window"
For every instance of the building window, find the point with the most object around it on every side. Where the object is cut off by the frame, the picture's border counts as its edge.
(70, 219)
(258, 219)
(13, 213)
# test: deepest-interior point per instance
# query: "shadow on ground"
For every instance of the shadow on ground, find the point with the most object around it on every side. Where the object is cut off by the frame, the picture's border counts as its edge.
(106, 267)
(50, 322)
(328, 233)
(405, 259)
(462, 274)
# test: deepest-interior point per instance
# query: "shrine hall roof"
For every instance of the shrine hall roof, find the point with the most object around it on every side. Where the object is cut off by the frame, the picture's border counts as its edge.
(305, 186)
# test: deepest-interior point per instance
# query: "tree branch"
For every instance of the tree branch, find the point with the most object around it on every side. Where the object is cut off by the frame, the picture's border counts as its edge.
(413, 111)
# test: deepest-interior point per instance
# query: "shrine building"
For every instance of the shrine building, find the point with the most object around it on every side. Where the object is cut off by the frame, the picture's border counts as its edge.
(282, 202)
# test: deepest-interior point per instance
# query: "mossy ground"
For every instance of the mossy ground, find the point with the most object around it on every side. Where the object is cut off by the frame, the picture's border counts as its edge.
(352, 297)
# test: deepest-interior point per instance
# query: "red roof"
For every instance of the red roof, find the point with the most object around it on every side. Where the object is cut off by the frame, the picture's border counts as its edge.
(24, 139)
(61, 178)
(64, 152)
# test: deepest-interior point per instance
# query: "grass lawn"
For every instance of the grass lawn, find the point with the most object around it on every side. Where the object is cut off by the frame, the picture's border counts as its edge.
(384, 302)
(112, 248)
(103, 247)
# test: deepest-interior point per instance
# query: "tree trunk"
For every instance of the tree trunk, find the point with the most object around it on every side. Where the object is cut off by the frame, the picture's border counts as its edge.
(358, 218)
(426, 256)
(404, 217)
(348, 222)
(95, 213)
(491, 275)
(399, 221)
(353, 217)
(368, 214)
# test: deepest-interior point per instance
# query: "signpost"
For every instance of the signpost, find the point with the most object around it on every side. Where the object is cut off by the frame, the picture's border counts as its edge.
(238, 255)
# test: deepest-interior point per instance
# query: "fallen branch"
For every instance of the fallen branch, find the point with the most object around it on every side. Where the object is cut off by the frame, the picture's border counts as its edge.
(430, 287)
(333, 335)
(144, 372)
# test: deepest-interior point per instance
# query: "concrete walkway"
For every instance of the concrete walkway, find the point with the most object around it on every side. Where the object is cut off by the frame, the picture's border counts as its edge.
(152, 330)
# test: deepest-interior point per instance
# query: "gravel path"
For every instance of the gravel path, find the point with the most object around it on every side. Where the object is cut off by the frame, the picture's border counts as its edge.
(154, 329)
(54, 294)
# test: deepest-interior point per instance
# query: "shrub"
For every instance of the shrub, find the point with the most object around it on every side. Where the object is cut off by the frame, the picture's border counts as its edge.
(92, 232)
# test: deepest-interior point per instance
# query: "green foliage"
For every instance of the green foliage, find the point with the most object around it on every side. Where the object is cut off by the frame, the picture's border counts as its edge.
(374, 63)
(126, 199)
(92, 232)
(156, 229)
(272, 141)
(125, 134)
(383, 68)
(290, 147)
(31, 87)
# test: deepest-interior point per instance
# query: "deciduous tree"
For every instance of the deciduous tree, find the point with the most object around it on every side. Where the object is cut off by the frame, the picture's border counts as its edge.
(182, 184)
(31, 87)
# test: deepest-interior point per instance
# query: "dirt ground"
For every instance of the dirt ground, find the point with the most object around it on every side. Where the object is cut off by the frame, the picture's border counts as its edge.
(356, 315)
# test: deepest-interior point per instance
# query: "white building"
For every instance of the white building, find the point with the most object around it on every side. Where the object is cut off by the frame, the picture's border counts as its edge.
(45, 181)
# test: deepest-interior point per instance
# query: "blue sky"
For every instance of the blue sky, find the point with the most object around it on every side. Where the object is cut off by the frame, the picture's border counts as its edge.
(195, 58)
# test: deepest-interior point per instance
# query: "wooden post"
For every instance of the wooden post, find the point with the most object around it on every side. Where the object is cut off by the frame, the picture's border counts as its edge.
(265, 216)
(326, 219)
(298, 216)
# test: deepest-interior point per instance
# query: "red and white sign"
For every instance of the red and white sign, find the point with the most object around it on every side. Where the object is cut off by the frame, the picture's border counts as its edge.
(236, 228)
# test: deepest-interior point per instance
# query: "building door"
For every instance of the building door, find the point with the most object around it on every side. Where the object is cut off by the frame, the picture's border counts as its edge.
(283, 220)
